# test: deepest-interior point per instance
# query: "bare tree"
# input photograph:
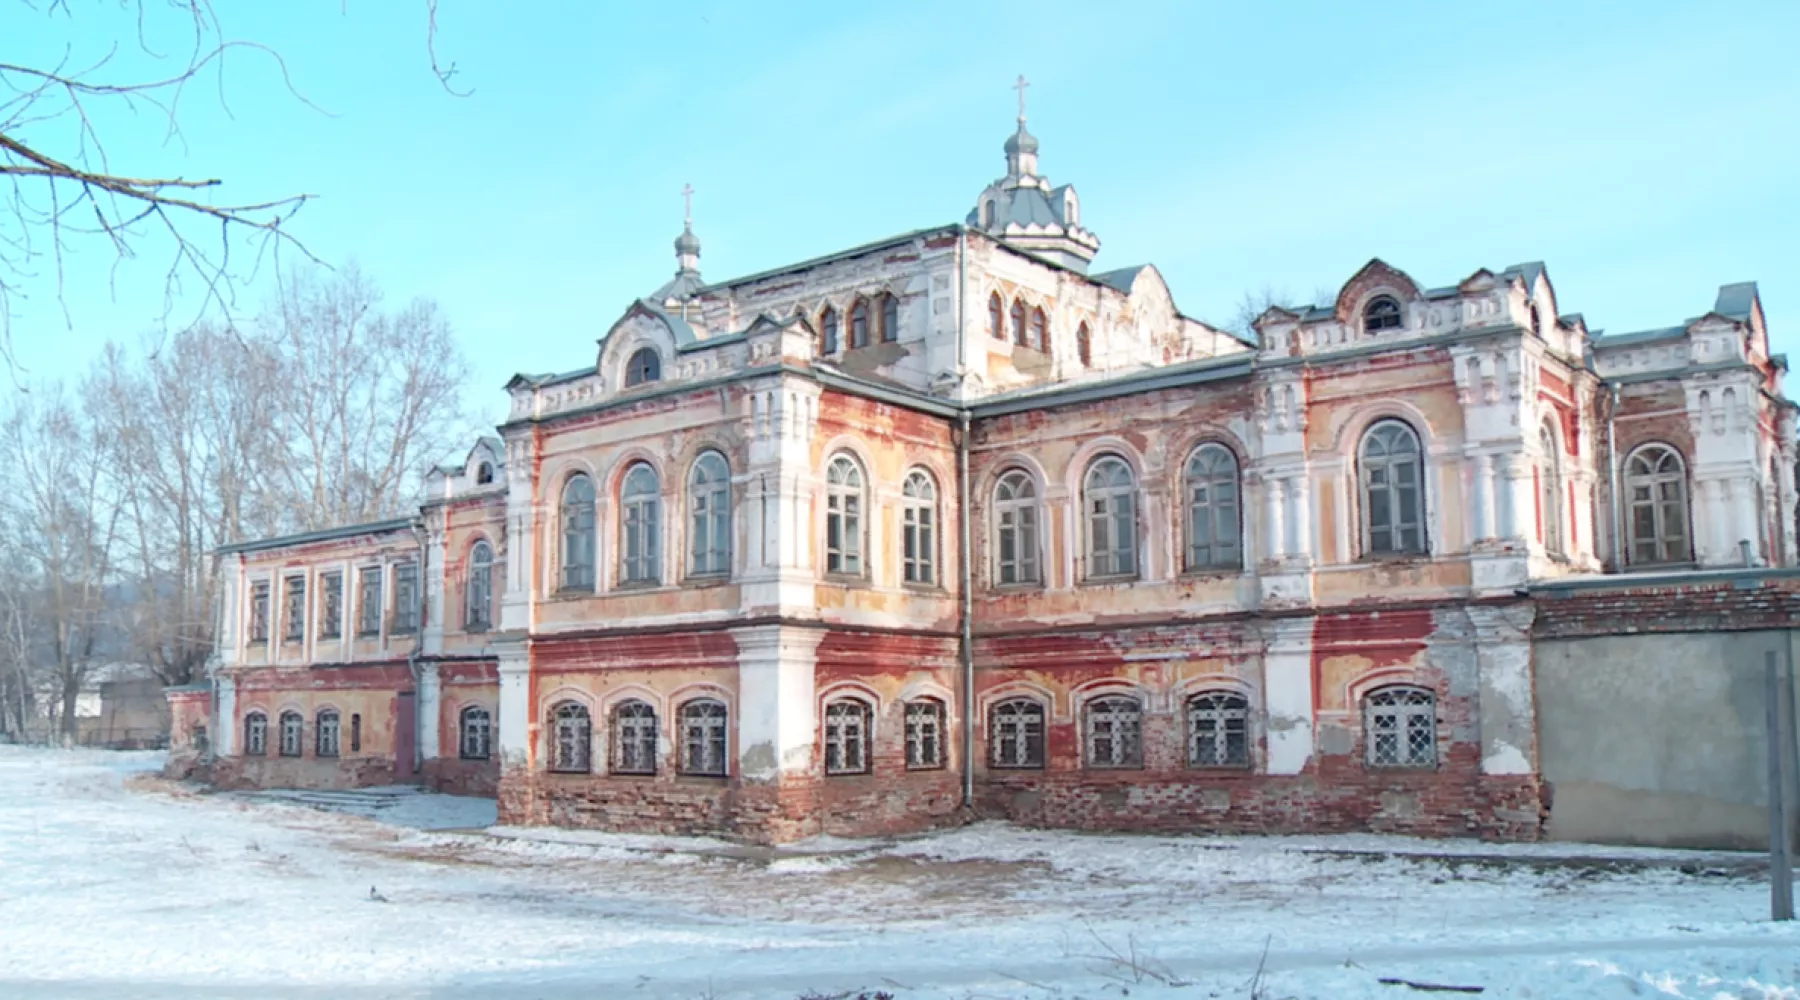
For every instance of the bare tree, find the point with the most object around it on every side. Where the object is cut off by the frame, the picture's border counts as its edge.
(1255, 303)
(67, 517)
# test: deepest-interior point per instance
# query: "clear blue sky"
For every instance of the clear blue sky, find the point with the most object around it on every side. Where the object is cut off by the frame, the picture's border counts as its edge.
(1647, 152)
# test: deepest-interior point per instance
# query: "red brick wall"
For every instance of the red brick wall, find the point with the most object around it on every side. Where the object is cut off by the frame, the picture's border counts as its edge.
(1741, 603)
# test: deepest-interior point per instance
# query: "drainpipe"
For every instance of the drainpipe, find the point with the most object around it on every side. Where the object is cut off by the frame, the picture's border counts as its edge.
(964, 549)
(1612, 461)
(412, 658)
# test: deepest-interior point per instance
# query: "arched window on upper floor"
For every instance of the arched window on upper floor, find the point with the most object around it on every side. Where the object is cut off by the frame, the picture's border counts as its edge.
(1213, 510)
(578, 533)
(1016, 529)
(484, 473)
(1018, 321)
(640, 526)
(1038, 335)
(1656, 497)
(996, 317)
(859, 323)
(1390, 467)
(1535, 318)
(709, 516)
(844, 526)
(890, 318)
(478, 589)
(1109, 496)
(1550, 508)
(828, 331)
(645, 366)
(918, 528)
(1382, 313)
(1084, 348)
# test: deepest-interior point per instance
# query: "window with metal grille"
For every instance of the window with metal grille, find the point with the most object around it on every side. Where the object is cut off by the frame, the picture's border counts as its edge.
(571, 738)
(847, 737)
(918, 528)
(325, 734)
(645, 366)
(1016, 734)
(996, 312)
(634, 737)
(406, 598)
(1393, 495)
(844, 517)
(331, 605)
(578, 534)
(256, 734)
(640, 526)
(368, 607)
(1657, 498)
(1213, 523)
(292, 734)
(828, 331)
(259, 611)
(703, 739)
(1382, 313)
(890, 318)
(293, 626)
(1112, 731)
(859, 324)
(1400, 726)
(709, 509)
(924, 734)
(478, 614)
(1218, 730)
(1110, 495)
(1016, 529)
(476, 741)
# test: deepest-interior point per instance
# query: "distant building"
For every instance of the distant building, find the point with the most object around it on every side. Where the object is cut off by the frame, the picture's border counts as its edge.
(949, 524)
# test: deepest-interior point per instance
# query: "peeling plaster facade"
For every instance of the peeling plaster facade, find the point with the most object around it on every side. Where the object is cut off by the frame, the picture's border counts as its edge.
(959, 356)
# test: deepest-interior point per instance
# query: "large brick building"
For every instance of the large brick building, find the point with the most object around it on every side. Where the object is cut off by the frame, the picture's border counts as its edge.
(951, 524)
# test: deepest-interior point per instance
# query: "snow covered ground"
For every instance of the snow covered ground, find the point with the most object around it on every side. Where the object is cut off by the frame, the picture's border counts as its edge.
(115, 886)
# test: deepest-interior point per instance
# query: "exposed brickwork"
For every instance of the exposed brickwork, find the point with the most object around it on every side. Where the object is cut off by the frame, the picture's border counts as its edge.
(1721, 605)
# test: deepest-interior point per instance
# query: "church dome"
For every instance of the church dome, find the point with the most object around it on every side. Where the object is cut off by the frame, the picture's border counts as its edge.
(687, 244)
(1021, 142)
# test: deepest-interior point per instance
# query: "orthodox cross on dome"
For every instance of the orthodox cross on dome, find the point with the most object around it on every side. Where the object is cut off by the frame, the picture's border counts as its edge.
(1020, 87)
(687, 202)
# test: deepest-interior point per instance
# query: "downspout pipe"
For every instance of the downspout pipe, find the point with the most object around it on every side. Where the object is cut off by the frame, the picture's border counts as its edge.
(965, 548)
(1612, 462)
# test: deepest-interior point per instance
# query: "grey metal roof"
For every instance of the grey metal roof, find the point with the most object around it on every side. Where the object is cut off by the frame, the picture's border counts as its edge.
(1640, 337)
(1735, 300)
(1530, 271)
(855, 251)
(685, 285)
(1121, 278)
(322, 535)
(1025, 206)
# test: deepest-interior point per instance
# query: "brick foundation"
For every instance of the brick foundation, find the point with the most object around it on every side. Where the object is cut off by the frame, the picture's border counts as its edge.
(302, 772)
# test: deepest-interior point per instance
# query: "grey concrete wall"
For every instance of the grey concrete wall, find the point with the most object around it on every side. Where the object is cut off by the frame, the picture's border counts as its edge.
(1656, 739)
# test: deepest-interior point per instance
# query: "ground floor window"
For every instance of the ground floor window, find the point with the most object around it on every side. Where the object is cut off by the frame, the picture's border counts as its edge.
(1400, 725)
(925, 733)
(325, 734)
(477, 728)
(847, 737)
(256, 734)
(703, 737)
(1113, 732)
(1016, 734)
(572, 733)
(291, 728)
(634, 738)
(1218, 730)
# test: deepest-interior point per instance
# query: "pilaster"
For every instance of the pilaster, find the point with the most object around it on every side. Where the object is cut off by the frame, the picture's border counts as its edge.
(430, 744)
(1506, 715)
(513, 729)
(1288, 693)
(521, 551)
(225, 741)
(776, 669)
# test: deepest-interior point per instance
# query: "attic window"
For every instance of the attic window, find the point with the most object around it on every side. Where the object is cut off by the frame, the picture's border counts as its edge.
(484, 474)
(1537, 321)
(644, 366)
(1382, 313)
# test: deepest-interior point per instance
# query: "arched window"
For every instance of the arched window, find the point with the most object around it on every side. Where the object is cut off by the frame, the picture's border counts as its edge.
(1213, 521)
(478, 616)
(292, 728)
(1084, 348)
(640, 526)
(1018, 321)
(1400, 726)
(1657, 498)
(709, 515)
(645, 366)
(1110, 496)
(1016, 734)
(1038, 336)
(475, 734)
(828, 331)
(1016, 529)
(844, 517)
(571, 738)
(1112, 732)
(847, 737)
(890, 318)
(703, 738)
(325, 734)
(996, 310)
(1536, 320)
(859, 324)
(256, 734)
(918, 528)
(484, 473)
(1393, 497)
(1550, 491)
(1218, 730)
(924, 734)
(634, 737)
(1382, 313)
(578, 533)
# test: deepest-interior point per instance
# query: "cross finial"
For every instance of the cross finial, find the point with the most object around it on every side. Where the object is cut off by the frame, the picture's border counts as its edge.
(687, 205)
(1020, 87)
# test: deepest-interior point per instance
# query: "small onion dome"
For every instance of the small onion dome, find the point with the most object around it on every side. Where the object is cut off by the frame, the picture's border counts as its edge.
(1021, 142)
(687, 244)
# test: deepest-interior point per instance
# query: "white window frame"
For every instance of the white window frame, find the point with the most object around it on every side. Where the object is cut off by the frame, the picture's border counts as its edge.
(478, 591)
(640, 526)
(1112, 732)
(705, 728)
(1016, 527)
(918, 529)
(1400, 727)
(1378, 475)
(1214, 501)
(576, 538)
(1109, 512)
(1018, 735)
(571, 738)
(1218, 729)
(634, 737)
(1651, 469)
(926, 721)
(709, 515)
(846, 520)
